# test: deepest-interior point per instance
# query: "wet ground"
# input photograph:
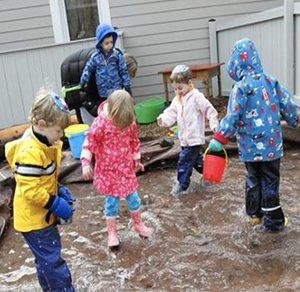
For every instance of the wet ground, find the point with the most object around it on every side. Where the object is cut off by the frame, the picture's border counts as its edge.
(202, 240)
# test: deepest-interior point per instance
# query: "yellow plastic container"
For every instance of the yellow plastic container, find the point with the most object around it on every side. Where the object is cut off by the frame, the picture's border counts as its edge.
(76, 135)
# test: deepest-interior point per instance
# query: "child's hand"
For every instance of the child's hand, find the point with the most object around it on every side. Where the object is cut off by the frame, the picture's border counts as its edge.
(139, 167)
(159, 121)
(65, 193)
(215, 146)
(87, 172)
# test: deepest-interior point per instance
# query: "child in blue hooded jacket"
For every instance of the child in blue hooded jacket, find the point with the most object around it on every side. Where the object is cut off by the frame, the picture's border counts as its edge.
(256, 105)
(108, 65)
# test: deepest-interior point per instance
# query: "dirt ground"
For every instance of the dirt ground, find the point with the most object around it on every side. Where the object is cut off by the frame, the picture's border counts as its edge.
(202, 241)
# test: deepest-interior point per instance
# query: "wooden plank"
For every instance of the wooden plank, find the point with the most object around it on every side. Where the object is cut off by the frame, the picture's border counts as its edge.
(18, 130)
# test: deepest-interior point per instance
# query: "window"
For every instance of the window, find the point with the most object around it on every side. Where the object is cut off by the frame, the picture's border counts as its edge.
(77, 19)
(82, 17)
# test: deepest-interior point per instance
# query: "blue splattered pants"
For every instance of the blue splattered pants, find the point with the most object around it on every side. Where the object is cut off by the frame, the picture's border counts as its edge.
(52, 270)
(262, 193)
(189, 158)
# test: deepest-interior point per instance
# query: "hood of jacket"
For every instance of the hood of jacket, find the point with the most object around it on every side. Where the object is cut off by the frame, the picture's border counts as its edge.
(103, 30)
(244, 60)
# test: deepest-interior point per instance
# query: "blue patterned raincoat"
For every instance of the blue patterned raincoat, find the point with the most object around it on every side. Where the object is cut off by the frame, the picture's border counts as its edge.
(256, 105)
(110, 69)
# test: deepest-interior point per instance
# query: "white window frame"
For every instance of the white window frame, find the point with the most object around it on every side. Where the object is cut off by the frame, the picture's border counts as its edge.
(60, 23)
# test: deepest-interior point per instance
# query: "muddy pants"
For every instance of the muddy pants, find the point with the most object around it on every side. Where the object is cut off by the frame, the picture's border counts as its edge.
(52, 270)
(262, 193)
(189, 158)
(112, 204)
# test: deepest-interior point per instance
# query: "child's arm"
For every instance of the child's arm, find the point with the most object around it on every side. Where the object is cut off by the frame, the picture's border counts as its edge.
(288, 108)
(86, 160)
(169, 116)
(123, 73)
(135, 147)
(89, 69)
(90, 146)
(228, 125)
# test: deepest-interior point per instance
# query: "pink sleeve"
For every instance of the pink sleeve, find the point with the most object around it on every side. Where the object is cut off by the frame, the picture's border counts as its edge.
(85, 162)
(135, 142)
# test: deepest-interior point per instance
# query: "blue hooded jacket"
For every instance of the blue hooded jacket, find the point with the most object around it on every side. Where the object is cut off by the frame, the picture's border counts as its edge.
(110, 69)
(256, 105)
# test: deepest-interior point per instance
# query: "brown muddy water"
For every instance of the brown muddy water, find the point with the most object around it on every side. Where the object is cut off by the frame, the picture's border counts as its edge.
(202, 240)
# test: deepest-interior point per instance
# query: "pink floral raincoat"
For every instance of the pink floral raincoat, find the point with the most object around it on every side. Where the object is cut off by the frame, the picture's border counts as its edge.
(116, 152)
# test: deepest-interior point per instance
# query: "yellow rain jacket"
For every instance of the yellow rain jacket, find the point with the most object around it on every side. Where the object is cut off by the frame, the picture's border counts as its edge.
(35, 166)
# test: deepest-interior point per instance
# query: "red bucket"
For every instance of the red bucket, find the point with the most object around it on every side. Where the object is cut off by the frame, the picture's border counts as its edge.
(213, 167)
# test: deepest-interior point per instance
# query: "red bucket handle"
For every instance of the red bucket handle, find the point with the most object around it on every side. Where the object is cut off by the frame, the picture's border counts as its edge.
(226, 157)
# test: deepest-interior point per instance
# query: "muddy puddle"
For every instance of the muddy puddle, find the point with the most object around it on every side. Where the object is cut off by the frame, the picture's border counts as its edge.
(202, 240)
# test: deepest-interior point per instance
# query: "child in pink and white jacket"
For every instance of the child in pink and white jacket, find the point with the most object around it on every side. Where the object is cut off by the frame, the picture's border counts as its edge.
(189, 109)
(114, 142)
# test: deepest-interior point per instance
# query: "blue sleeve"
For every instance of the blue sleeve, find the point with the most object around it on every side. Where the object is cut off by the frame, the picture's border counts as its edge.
(88, 70)
(123, 71)
(235, 109)
(288, 108)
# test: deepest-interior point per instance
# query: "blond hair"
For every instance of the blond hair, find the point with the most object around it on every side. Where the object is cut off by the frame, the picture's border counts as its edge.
(120, 108)
(44, 108)
(181, 74)
(132, 64)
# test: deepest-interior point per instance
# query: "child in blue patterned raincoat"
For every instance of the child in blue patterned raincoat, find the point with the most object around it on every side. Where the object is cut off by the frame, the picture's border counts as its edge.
(108, 65)
(256, 105)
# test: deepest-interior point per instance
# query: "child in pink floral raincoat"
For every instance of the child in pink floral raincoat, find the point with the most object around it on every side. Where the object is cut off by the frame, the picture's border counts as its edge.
(113, 140)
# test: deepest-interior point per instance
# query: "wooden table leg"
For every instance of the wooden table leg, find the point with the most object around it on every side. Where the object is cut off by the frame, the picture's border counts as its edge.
(166, 93)
(207, 91)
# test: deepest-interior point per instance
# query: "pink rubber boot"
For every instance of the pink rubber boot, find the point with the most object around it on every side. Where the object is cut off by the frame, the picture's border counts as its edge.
(138, 224)
(113, 239)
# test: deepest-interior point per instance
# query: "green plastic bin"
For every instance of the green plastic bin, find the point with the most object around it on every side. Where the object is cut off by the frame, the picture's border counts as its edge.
(147, 111)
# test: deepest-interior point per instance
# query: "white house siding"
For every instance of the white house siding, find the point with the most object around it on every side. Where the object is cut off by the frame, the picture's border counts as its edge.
(163, 33)
(25, 23)
(22, 73)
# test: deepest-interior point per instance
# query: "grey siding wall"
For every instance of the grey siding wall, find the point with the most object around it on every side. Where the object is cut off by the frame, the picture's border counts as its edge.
(25, 23)
(163, 33)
